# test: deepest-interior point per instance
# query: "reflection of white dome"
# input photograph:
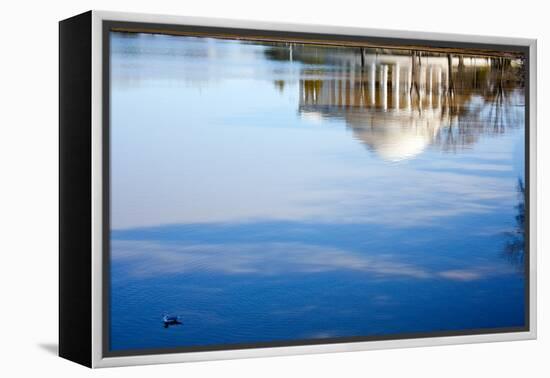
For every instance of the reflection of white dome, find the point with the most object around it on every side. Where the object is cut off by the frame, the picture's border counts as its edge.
(394, 144)
(395, 136)
(312, 116)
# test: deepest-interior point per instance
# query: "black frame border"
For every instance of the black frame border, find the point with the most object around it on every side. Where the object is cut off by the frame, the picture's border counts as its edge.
(75, 189)
(109, 25)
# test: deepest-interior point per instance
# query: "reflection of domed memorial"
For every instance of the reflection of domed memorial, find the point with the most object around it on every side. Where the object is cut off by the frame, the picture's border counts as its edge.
(398, 105)
(397, 135)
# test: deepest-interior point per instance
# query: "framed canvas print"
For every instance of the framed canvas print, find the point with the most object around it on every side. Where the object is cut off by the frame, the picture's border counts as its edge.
(237, 189)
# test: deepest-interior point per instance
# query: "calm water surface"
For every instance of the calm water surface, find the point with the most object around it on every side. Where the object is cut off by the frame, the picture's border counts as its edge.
(282, 192)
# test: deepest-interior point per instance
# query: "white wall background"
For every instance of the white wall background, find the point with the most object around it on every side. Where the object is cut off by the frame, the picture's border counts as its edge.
(28, 186)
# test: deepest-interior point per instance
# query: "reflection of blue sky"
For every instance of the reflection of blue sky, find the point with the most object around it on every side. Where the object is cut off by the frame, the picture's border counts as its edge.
(307, 170)
(286, 280)
(304, 174)
(249, 282)
(165, 61)
(251, 220)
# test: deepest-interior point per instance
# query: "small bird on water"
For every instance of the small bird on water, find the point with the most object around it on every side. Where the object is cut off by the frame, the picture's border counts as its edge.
(170, 320)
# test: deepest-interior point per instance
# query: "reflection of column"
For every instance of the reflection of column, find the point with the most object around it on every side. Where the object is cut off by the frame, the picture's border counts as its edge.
(395, 81)
(316, 92)
(339, 103)
(290, 54)
(372, 82)
(447, 79)
(385, 87)
(439, 79)
(439, 82)
(430, 84)
(349, 101)
(332, 100)
(363, 100)
(357, 80)
(409, 85)
(348, 92)
(422, 85)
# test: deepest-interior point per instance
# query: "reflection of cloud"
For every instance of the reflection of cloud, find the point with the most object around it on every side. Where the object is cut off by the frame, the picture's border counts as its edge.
(460, 275)
(279, 186)
(395, 201)
(146, 259)
(474, 273)
(248, 258)
(323, 334)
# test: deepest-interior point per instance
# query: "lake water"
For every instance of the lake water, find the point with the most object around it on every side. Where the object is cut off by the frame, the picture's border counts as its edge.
(274, 193)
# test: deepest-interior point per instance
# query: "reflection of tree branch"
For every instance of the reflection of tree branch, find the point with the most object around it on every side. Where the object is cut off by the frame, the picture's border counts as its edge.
(416, 63)
(450, 85)
(473, 101)
(514, 248)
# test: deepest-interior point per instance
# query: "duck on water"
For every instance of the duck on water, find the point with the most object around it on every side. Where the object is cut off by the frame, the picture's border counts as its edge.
(170, 320)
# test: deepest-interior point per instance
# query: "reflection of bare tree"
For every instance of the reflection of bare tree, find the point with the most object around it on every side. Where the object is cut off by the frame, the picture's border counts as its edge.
(497, 112)
(415, 62)
(514, 249)
(280, 85)
(445, 101)
(363, 53)
(450, 81)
